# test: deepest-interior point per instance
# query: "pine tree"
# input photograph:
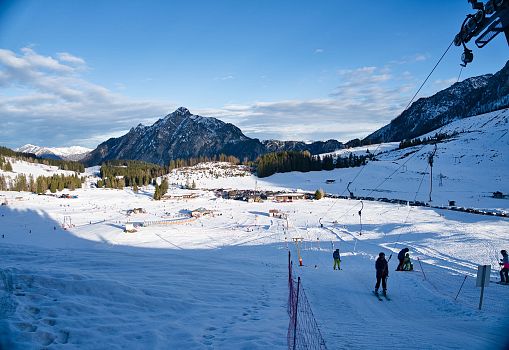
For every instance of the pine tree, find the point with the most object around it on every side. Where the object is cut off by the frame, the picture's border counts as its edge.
(8, 166)
(319, 194)
(157, 193)
(53, 186)
(164, 187)
(3, 183)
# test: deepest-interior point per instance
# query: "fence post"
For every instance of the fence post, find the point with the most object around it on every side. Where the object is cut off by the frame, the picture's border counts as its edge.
(289, 268)
(296, 308)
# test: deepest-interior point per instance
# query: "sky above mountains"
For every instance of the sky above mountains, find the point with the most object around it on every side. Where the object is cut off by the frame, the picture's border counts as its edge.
(79, 72)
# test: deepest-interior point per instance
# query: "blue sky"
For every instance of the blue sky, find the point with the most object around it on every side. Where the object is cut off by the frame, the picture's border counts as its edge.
(79, 72)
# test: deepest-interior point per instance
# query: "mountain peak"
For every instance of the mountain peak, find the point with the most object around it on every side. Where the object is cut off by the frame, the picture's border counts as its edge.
(182, 111)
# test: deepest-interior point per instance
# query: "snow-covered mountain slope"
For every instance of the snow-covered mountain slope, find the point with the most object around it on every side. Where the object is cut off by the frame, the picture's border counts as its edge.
(34, 169)
(67, 153)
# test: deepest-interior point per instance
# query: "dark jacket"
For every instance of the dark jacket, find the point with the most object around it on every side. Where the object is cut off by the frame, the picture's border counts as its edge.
(335, 255)
(401, 254)
(382, 268)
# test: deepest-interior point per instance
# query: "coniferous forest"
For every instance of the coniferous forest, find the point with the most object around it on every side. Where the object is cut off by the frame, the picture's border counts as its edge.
(282, 162)
(121, 173)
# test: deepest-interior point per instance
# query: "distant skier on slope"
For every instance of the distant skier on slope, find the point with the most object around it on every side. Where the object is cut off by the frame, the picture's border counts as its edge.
(504, 272)
(407, 264)
(382, 272)
(401, 258)
(337, 259)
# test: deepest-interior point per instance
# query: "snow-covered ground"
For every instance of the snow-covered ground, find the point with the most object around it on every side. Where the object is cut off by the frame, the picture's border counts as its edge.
(220, 282)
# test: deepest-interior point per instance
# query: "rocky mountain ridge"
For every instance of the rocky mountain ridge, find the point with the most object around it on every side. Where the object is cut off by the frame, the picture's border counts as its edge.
(463, 99)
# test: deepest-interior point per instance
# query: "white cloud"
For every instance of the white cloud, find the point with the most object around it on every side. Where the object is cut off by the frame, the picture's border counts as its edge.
(366, 99)
(319, 51)
(418, 57)
(67, 57)
(57, 105)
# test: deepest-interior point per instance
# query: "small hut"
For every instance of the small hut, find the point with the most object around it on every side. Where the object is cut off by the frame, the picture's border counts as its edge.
(289, 197)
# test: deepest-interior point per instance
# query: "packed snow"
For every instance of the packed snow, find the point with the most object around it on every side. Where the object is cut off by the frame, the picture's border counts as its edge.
(72, 278)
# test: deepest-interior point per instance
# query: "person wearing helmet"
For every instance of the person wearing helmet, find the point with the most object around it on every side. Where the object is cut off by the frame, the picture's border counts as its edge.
(337, 259)
(382, 272)
(504, 272)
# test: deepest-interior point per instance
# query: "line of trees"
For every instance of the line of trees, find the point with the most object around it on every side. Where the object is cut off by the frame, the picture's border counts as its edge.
(181, 163)
(40, 184)
(426, 140)
(282, 162)
(121, 173)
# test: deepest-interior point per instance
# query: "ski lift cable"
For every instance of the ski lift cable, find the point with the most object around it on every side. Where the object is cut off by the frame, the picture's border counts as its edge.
(425, 80)
(404, 163)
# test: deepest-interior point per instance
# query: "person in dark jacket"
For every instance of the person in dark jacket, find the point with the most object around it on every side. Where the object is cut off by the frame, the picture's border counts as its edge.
(382, 272)
(337, 259)
(401, 258)
(504, 272)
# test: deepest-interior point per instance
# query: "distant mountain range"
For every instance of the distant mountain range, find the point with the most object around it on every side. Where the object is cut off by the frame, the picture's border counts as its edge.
(470, 97)
(66, 153)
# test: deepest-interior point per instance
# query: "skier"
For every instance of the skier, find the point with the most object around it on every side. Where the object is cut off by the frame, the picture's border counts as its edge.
(337, 259)
(382, 272)
(401, 258)
(504, 272)
(407, 264)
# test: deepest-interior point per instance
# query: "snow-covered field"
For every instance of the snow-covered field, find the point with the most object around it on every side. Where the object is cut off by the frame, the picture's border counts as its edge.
(220, 282)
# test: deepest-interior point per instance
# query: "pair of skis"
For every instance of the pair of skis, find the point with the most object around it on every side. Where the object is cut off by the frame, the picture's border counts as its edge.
(380, 298)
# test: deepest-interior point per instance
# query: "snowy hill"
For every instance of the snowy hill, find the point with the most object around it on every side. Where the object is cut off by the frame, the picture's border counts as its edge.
(72, 278)
(34, 169)
(67, 153)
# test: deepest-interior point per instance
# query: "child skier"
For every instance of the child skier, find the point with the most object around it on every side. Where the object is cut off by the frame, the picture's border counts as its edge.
(401, 258)
(504, 272)
(337, 259)
(407, 264)
(382, 272)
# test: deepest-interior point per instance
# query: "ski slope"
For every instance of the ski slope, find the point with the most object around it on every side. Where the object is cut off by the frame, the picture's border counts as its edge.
(220, 282)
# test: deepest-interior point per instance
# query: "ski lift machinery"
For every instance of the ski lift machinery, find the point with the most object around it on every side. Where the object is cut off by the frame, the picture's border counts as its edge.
(491, 19)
